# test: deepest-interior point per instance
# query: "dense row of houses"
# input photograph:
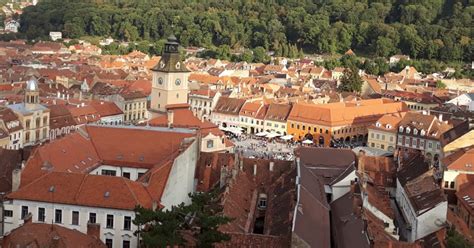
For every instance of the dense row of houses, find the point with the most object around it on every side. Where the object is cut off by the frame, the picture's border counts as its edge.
(114, 132)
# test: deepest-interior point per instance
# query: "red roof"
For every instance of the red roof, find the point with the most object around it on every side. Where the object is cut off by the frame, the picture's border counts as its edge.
(78, 153)
(106, 108)
(35, 235)
(86, 190)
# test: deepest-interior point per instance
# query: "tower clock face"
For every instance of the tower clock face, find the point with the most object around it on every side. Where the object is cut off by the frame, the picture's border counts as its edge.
(178, 82)
(160, 81)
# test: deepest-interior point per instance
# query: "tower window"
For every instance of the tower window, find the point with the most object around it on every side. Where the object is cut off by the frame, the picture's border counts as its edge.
(262, 201)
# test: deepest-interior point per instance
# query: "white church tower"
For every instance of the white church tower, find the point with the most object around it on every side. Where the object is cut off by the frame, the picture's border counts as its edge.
(170, 79)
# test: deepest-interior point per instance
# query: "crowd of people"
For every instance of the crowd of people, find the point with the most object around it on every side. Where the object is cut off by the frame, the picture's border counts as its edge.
(260, 147)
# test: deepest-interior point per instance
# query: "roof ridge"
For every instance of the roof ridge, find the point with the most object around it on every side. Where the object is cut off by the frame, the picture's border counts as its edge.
(130, 189)
(80, 186)
(29, 185)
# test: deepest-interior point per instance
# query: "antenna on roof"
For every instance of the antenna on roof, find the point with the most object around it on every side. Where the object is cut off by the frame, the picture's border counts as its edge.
(51, 190)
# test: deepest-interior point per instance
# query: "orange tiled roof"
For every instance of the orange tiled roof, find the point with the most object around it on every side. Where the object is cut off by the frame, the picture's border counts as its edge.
(86, 190)
(460, 160)
(45, 235)
(339, 114)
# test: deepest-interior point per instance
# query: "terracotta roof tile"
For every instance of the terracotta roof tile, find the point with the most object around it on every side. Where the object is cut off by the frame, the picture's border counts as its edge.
(86, 190)
(338, 114)
(36, 235)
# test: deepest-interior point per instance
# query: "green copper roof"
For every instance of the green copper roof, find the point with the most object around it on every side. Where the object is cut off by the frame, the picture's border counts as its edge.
(170, 59)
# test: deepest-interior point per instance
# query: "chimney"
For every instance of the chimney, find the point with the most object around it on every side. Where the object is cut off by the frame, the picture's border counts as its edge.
(93, 230)
(170, 115)
(28, 218)
(272, 164)
(16, 178)
(254, 169)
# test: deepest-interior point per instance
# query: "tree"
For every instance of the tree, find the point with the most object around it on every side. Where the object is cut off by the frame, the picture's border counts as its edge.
(455, 240)
(384, 47)
(260, 55)
(350, 80)
(223, 52)
(201, 219)
(440, 84)
(247, 56)
(427, 29)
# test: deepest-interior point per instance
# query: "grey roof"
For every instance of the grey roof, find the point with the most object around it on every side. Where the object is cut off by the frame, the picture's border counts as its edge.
(372, 151)
(21, 108)
(412, 168)
(348, 228)
(170, 60)
(329, 164)
(470, 95)
(311, 223)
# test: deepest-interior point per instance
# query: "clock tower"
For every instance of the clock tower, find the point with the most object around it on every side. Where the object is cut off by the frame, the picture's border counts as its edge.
(170, 79)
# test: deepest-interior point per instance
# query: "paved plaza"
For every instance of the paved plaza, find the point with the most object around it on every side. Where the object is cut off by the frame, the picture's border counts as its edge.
(253, 147)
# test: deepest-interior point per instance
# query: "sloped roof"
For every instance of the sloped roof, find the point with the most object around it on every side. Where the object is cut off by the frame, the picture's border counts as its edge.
(226, 105)
(85, 190)
(81, 153)
(278, 112)
(337, 114)
(461, 160)
(38, 235)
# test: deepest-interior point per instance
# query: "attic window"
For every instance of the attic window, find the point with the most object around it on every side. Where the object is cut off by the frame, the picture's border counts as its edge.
(262, 201)
(377, 124)
(388, 126)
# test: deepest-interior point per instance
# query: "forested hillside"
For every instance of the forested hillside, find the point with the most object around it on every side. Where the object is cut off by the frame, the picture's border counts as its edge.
(423, 29)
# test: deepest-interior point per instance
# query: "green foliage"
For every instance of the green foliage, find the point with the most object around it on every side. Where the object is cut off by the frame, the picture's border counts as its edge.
(456, 240)
(350, 80)
(166, 227)
(440, 84)
(260, 55)
(247, 56)
(426, 30)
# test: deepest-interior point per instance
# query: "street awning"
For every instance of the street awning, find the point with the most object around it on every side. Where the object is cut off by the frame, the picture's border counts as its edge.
(307, 142)
(223, 128)
(235, 130)
(287, 137)
(262, 134)
(272, 135)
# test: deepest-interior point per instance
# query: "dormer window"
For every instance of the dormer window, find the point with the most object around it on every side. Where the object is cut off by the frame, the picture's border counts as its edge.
(400, 129)
(422, 132)
(377, 124)
(262, 201)
(415, 131)
(408, 130)
(388, 126)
